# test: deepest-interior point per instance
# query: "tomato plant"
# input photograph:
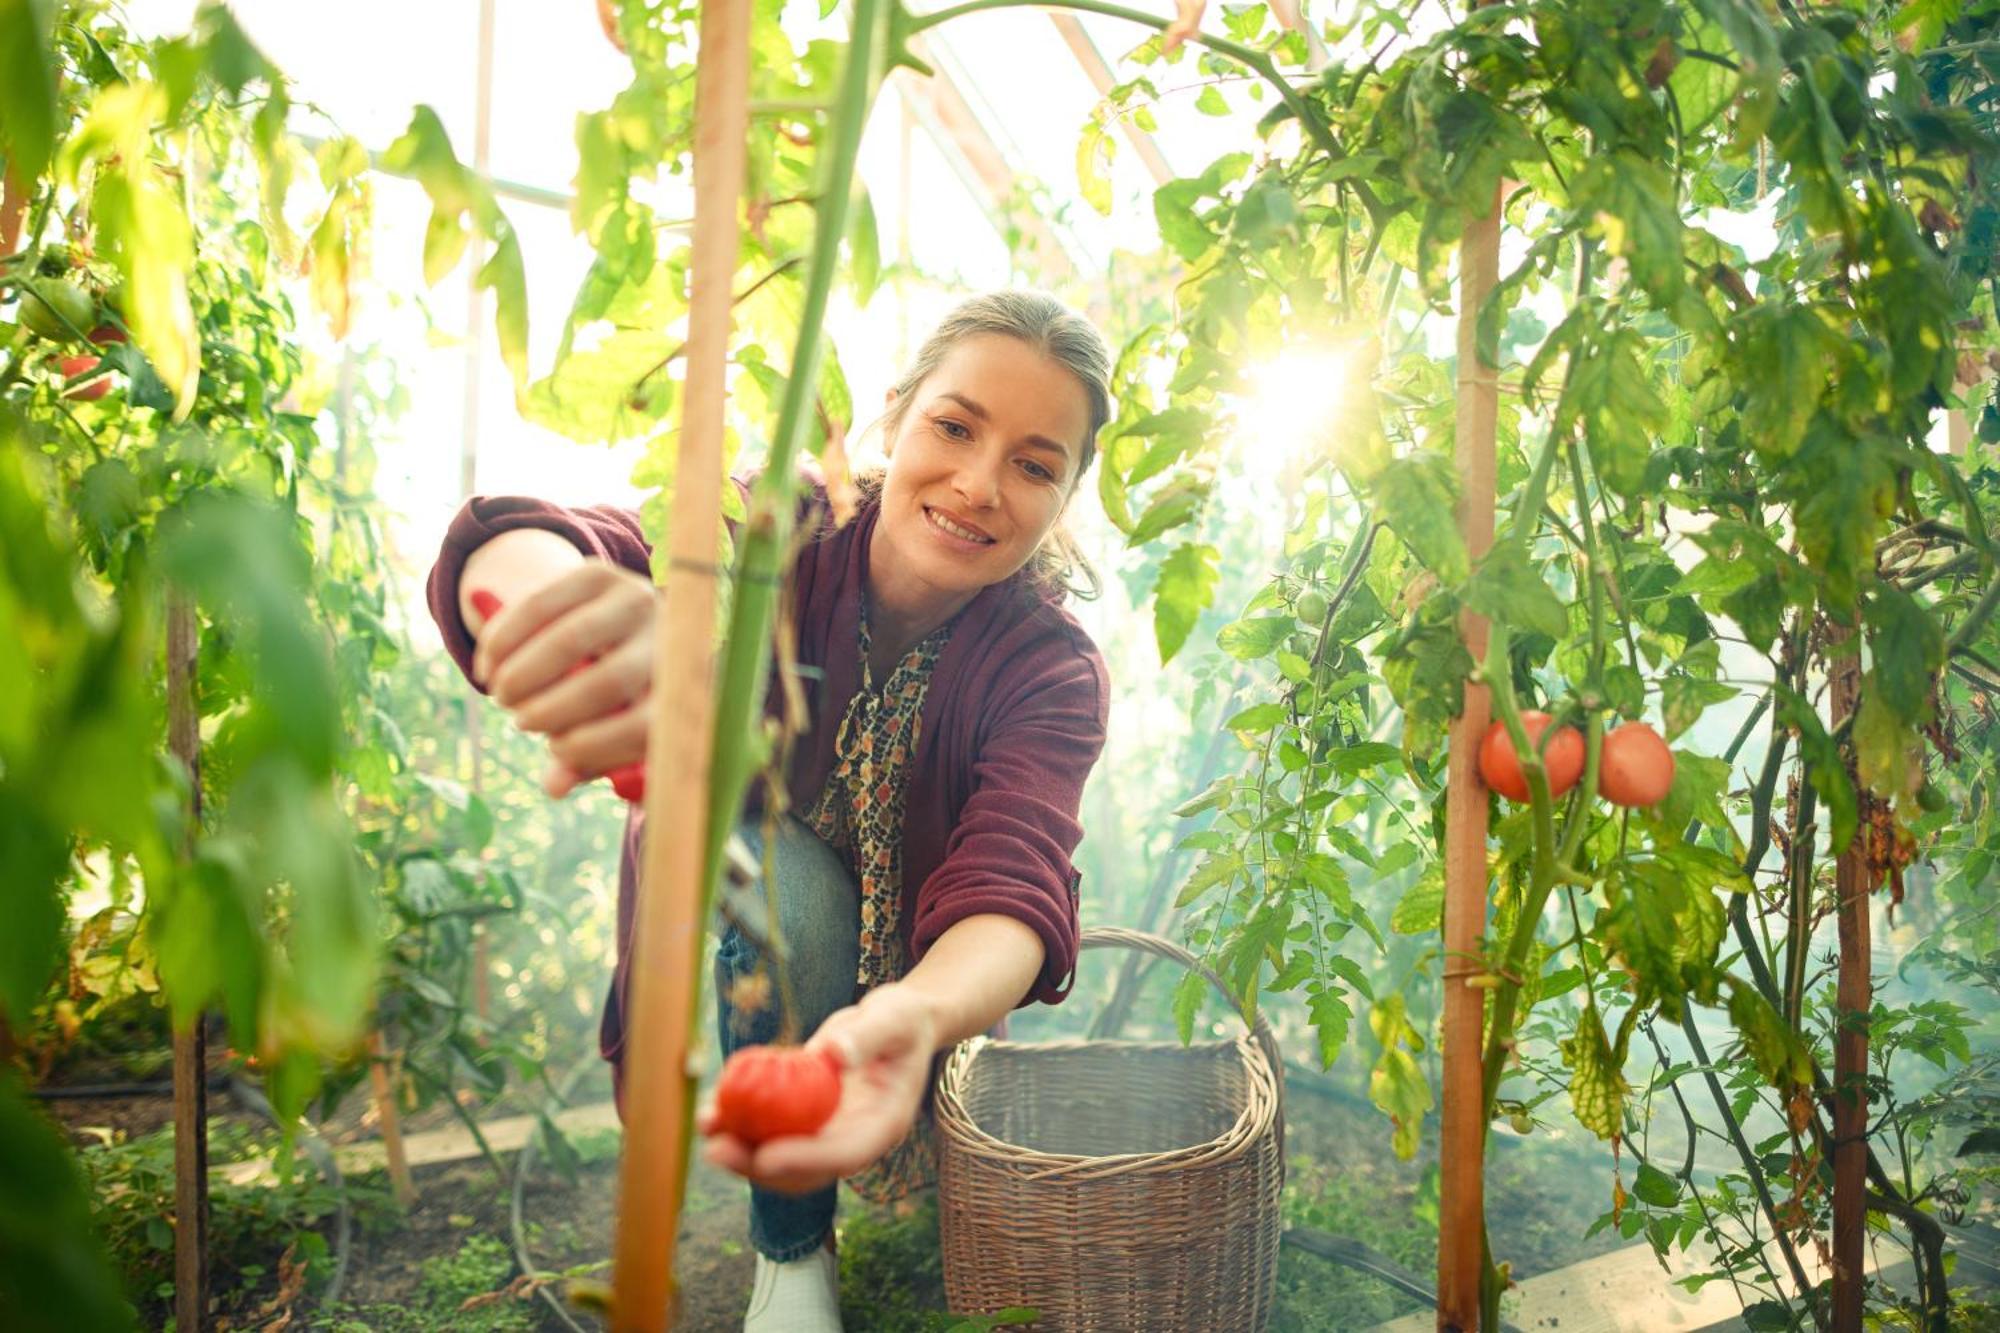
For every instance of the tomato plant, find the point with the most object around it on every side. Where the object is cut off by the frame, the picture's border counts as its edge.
(768, 1092)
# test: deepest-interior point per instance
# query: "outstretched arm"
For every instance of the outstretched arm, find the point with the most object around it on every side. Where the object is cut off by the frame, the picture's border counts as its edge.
(973, 974)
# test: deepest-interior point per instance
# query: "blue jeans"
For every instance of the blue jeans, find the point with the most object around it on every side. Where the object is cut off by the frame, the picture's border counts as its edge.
(819, 919)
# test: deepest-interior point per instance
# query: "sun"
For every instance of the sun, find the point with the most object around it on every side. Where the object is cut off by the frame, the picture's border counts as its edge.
(1303, 403)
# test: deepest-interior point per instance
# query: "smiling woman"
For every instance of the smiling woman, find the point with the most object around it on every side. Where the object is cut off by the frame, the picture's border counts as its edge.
(925, 887)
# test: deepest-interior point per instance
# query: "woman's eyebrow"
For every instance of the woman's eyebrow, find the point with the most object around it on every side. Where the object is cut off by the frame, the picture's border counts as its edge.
(1038, 441)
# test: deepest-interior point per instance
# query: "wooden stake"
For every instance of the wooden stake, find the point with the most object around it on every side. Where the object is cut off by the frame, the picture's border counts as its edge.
(191, 1040)
(668, 932)
(1853, 1001)
(391, 1120)
(1462, 1139)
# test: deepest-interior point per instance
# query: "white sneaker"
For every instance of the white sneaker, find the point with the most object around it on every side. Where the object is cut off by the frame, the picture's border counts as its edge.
(799, 1296)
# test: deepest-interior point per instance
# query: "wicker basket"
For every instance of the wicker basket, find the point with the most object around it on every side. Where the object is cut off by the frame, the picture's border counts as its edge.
(1114, 1184)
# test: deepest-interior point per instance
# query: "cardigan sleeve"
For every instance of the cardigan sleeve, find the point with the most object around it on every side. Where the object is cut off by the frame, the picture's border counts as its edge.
(603, 532)
(1010, 850)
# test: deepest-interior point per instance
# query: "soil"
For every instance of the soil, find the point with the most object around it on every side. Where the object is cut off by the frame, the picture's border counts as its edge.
(1342, 1180)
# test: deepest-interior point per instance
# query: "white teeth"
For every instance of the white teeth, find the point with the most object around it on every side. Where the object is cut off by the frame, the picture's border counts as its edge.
(955, 530)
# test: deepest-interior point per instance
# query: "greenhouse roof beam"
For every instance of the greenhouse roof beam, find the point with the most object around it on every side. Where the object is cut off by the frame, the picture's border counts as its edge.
(944, 112)
(1099, 72)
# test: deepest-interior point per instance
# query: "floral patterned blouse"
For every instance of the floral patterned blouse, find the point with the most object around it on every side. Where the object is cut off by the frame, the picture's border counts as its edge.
(859, 813)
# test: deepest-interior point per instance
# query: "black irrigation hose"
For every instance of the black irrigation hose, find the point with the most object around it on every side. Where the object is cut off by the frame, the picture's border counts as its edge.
(112, 1091)
(523, 1162)
(322, 1156)
(1353, 1254)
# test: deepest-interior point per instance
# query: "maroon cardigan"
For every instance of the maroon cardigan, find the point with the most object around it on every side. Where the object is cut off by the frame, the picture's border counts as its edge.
(1012, 724)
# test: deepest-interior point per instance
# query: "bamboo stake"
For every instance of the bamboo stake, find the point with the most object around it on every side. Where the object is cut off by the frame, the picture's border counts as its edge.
(191, 1040)
(1853, 1001)
(1462, 1139)
(468, 456)
(390, 1119)
(666, 948)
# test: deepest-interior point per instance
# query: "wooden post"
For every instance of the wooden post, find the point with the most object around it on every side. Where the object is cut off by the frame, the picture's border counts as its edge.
(190, 1041)
(668, 932)
(1853, 1001)
(1462, 1138)
(390, 1118)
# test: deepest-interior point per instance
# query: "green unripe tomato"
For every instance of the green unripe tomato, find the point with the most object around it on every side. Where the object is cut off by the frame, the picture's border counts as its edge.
(1932, 799)
(57, 309)
(1522, 1122)
(1310, 607)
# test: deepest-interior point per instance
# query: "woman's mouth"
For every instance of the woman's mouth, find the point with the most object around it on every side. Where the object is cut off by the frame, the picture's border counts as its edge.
(957, 531)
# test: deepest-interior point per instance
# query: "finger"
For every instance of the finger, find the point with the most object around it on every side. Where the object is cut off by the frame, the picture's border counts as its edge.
(559, 645)
(731, 1154)
(514, 623)
(586, 694)
(595, 748)
(560, 779)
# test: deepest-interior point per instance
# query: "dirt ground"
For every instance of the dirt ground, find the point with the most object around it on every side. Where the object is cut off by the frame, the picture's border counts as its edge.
(1343, 1180)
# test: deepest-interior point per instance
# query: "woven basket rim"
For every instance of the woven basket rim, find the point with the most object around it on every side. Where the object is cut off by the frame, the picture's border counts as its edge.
(962, 1133)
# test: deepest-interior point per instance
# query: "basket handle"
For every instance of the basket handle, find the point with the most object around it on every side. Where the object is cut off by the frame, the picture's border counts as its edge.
(1121, 937)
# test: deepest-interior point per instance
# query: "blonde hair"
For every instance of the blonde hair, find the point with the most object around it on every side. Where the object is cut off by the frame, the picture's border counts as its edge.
(1065, 337)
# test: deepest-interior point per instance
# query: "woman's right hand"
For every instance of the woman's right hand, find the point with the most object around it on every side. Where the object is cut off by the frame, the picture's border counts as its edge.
(535, 657)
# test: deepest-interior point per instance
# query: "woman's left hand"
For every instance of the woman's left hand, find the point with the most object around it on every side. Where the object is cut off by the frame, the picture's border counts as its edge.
(884, 1044)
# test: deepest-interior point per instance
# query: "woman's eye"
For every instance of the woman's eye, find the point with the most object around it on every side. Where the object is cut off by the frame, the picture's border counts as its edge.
(1037, 471)
(955, 429)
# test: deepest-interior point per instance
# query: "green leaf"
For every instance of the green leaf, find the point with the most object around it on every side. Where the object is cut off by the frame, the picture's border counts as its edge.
(31, 910)
(1330, 1015)
(1185, 588)
(1416, 498)
(1507, 588)
(1907, 645)
(1656, 1188)
(1259, 718)
(1177, 502)
(1257, 636)
(28, 69)
(1212, 102)
(1786, 355)
(54, 1273)
(1631, 200)
(1188, 995)
(1216, 868)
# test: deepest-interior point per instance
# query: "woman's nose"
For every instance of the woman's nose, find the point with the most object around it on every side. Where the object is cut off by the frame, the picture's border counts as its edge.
(978, 483)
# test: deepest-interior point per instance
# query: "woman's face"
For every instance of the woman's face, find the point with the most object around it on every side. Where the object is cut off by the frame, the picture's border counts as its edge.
(984, 456)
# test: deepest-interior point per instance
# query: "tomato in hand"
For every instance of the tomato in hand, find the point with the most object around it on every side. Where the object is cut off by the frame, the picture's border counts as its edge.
(1635, 767)
(630, 781)
(1562, 757)
(768, 1092)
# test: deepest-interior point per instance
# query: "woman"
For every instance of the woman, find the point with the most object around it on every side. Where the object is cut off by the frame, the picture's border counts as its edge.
(925, 886)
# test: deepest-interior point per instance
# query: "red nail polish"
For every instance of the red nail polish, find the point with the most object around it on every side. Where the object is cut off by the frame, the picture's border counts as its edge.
(484, 602)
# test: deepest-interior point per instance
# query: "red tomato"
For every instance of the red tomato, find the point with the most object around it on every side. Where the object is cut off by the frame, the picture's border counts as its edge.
(1562, 757)
(767, 1092)
(1635, 766)
(105, 334)
(76, 367)
(630, 781)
